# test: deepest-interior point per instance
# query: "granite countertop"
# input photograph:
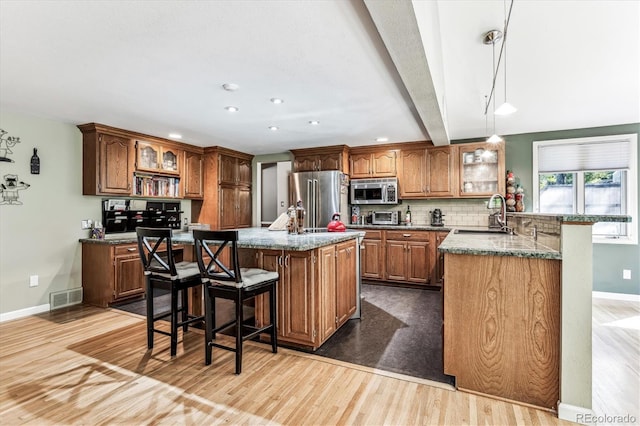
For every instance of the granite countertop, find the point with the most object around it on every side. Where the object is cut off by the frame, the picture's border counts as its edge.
(497, 244)
(580, 218)
(259, 238)
(403, 227)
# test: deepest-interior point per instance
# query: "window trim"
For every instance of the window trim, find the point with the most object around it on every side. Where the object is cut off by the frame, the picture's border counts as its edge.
(631, 190)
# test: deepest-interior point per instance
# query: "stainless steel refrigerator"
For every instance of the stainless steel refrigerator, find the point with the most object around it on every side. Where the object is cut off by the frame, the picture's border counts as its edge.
(322, 194)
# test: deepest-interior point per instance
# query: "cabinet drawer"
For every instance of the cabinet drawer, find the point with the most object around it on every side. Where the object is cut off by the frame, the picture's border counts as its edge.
(126, 249)
(373, 235)
(408, 235)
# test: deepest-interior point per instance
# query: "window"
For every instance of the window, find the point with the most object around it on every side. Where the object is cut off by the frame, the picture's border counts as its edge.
(589, 176)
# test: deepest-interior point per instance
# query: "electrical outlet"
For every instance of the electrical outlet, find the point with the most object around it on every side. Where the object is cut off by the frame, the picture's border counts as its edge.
(33, 281)
(626, 274)
(87, 223)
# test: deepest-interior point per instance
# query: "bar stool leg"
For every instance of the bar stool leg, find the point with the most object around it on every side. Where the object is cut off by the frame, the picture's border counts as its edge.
(149, 313)
(239, 322)
(174, 320)
(209, 324)
(184, 311)
(272, 318)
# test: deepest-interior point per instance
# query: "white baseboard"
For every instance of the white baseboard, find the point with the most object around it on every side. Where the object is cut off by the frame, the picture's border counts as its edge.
(616, 296)
(7, 316)
(573, 413)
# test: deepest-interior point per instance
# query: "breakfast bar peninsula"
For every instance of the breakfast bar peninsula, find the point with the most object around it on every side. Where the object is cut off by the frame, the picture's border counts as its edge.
(319, 286)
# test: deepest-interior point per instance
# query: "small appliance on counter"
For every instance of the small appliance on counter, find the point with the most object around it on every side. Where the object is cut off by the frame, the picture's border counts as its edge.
(385, 218)
(436, 217)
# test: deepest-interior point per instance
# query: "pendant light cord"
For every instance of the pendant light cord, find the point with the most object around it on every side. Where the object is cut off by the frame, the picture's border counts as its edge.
(496, 68)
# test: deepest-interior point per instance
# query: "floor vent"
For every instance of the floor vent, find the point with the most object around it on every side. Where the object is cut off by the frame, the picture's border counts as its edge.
(60, 299)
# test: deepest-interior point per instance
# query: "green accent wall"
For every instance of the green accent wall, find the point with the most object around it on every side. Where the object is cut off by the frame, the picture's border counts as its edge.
(608, 259)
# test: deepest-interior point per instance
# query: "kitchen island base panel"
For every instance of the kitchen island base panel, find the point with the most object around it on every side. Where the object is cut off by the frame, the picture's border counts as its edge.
(502, 326)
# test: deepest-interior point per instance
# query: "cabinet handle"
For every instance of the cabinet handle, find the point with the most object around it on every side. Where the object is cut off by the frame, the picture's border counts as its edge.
(406, 235)
(280, 262)
(132, 249)
(286, 261)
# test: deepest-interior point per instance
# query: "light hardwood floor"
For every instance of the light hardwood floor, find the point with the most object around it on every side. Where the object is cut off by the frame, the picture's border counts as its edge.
(616, 358)
(91, 366)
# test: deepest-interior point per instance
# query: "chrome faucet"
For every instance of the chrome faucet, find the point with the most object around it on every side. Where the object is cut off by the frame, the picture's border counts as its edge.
(502, 217)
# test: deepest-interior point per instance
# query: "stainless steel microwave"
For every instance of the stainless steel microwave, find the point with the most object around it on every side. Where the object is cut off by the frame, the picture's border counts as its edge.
(374, 191)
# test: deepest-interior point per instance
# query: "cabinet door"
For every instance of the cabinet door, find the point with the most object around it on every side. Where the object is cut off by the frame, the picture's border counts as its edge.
(129, 277)
(346, 281)
(193, 176)
(270, 260)
(372, 259)
(332, 161)
(170, 162)
(114, 172)
(417, 255)
(481, 169)
(327, 291)
(361, 165)
(227, 173)
(243, 201)
(441, 175)
(298, 307)
(384, 164)
(228, 207)
(244, 172)
(413, 173)
(439, 266)
(306, 163)
(396, 260)
(148, 156)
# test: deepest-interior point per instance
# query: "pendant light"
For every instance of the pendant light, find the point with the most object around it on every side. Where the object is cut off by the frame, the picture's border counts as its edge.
(506, 108)
(491, 37)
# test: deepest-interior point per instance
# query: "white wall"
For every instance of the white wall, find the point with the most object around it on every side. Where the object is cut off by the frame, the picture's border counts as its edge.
(40, 237)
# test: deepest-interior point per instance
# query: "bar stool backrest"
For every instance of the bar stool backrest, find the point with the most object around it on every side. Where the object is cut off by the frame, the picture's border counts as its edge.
(213, 243)
(156, 253)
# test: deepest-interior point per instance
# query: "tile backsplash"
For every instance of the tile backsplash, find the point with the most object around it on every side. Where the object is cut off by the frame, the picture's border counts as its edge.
(472, 212)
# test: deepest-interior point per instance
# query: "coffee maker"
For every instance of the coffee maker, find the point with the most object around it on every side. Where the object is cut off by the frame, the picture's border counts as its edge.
(436, 217)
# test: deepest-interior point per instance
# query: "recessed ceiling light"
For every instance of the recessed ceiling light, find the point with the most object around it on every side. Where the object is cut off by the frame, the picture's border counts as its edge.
(175, 136)
(230, 87)
(382, 139)
(273, 128)
(277, 100)
(314, 122)
(231, 108)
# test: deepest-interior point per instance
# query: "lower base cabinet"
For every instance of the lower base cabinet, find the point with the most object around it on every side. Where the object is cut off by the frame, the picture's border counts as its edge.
(316, 292)
(113, 273)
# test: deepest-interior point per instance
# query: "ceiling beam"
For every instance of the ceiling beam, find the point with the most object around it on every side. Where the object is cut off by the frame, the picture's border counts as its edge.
(398, 27)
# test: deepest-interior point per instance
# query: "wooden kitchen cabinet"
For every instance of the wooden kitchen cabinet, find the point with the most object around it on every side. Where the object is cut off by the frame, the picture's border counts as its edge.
(481, 169)
(317, 292)
(226, 201)
(373, 164)
(158, 158)
(437, 258)
(427, 173)
(193, 175)
(407, 254)
(372, 259)
(318, 159)
(107, 161)
(113, 273)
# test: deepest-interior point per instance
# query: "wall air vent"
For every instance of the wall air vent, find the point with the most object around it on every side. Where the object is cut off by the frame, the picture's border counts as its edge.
(60, 299)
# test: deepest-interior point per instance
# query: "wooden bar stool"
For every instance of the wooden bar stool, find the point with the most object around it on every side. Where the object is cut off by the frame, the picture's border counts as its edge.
(162, 271)
(231, 282)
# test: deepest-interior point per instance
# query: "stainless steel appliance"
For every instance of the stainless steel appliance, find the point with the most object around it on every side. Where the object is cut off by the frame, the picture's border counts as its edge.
(322, 194)
(385, 218)
(374, 191)
(436, 218)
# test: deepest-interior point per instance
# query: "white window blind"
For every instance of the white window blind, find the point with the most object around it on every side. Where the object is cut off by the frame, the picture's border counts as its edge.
(589, 156)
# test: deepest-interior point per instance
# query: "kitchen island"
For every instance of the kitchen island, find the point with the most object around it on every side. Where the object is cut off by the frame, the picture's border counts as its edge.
(517, 311)
(319, 284)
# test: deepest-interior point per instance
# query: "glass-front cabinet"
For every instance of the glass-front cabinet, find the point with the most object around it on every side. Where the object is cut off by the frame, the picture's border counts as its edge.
(157, 158)
(482, 171)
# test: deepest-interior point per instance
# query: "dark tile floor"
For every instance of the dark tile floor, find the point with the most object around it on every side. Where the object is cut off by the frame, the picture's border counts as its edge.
(400, 330)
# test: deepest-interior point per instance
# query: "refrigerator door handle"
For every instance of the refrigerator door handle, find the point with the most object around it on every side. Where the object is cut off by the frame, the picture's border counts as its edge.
(309, 200)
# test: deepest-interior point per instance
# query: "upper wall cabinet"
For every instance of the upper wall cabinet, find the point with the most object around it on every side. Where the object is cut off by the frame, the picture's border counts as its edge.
(193, 175)
(427, 172)
(233, 170)
(482, 171)
(368, 164)
(325, 158)
(154, 157)
(107, 162)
